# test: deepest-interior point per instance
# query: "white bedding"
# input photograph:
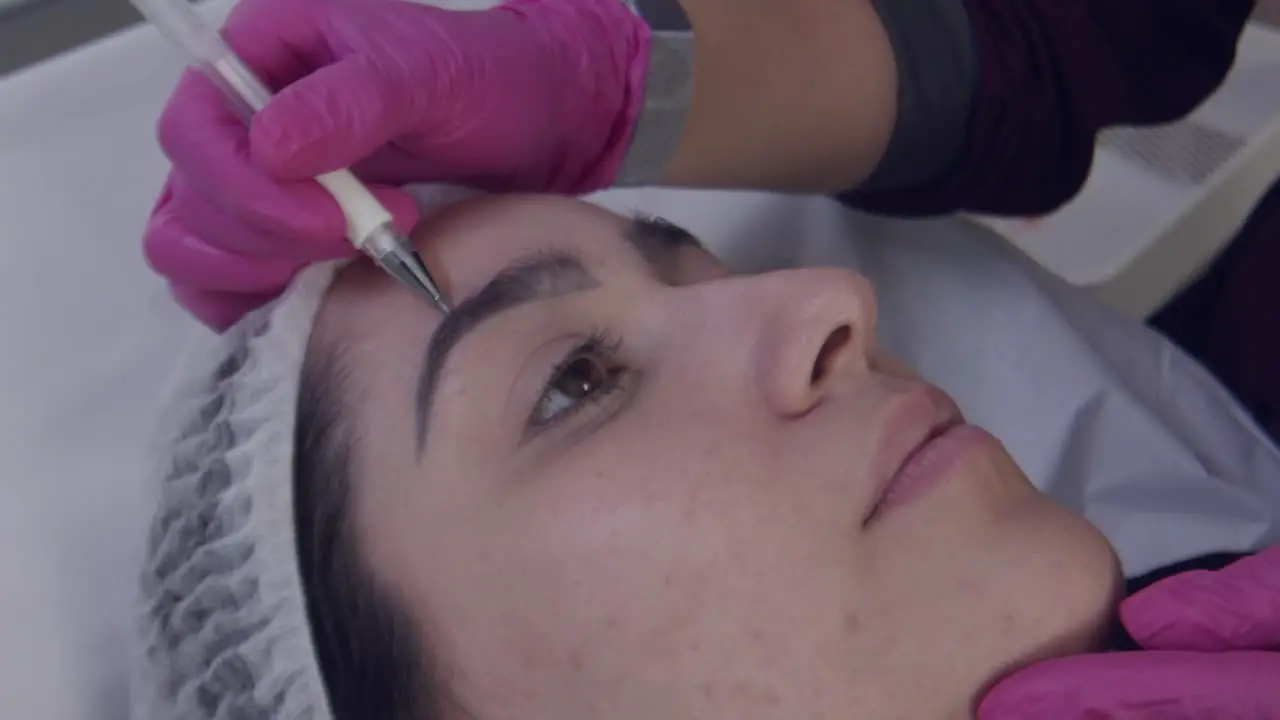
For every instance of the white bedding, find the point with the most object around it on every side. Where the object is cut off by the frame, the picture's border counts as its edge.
(1103, 415)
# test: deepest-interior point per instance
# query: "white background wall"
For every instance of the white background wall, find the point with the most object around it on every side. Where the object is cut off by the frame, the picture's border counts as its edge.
(31, 30)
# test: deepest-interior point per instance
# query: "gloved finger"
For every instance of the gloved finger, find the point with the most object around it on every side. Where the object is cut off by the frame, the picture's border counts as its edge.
(216, 310)
(1235, 608)
(223, 255)
(1140, 686)
(210, 145)
(281, 40)
(185, 259)
(404, 210)
(230, 231)
(189, 206)
(331, 119)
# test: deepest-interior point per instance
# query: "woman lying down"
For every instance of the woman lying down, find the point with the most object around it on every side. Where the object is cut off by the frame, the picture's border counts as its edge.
(617, 482)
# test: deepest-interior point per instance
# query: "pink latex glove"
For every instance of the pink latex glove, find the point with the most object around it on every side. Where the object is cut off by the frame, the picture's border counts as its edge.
(535, 95)
(1212, 652)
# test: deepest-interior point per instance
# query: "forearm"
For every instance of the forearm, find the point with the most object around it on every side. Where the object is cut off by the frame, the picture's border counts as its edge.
(931, 106)
(791, 95)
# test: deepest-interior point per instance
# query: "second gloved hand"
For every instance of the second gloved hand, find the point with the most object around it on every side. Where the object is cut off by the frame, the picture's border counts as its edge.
(1211, 651)
(534, 95)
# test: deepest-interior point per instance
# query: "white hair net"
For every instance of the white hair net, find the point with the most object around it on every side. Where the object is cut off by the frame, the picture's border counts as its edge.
(225, 633)
(224, 627)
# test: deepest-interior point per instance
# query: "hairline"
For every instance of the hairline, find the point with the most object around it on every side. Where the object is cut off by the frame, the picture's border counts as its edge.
(341, 588)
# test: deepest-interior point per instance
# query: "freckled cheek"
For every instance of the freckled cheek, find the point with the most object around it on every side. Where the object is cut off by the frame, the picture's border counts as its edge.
(597, 579)
(596, 520)
(621, 576)
(627, 518)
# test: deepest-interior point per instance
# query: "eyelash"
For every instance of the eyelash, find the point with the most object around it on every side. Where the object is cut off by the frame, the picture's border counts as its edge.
(599, 347)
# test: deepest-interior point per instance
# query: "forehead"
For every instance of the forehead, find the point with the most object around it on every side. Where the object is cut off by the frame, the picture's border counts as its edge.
(469, 242)
(464, 246)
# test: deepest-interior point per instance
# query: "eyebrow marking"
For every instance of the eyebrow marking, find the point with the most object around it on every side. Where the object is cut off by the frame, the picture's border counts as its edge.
(542, 276)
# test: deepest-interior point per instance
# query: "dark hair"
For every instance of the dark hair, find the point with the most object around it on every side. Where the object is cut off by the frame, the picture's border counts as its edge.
(369, 652)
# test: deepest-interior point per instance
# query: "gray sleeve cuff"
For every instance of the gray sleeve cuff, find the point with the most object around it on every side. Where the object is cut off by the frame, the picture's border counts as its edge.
(937, 77)
(667, 94)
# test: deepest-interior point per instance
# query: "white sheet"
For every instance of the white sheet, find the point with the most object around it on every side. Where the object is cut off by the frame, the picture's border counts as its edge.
(1103, 415)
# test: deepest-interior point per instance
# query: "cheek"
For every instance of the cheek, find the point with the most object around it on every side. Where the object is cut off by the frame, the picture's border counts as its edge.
(996, 577)
(624, 530)
(615, 565)
(673, 492)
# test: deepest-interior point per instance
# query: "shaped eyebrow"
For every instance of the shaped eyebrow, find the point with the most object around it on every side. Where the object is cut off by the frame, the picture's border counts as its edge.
(541, 277)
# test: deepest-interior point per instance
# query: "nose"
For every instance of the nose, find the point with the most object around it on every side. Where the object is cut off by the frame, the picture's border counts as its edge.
(818, 325)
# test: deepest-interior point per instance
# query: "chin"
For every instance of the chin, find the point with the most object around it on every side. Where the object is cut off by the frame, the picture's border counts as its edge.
(1099, 599)
(1074, 586)
(1061, 574)
(1028, 579)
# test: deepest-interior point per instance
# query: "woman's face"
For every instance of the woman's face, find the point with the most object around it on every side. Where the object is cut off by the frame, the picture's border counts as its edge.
(619, 482)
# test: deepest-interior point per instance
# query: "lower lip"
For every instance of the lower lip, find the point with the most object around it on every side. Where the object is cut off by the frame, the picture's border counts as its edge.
(930, 464)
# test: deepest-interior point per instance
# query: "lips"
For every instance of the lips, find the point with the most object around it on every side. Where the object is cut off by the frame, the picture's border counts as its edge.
(918, 419)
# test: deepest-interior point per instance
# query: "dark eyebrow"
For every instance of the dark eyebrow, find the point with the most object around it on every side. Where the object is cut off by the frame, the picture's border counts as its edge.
(541, 277)
(656, 239)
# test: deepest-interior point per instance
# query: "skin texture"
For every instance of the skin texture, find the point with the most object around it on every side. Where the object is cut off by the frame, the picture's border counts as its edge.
(693, 542)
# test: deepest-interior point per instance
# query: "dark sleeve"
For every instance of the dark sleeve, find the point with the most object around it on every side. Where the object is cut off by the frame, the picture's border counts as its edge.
(1050, 75)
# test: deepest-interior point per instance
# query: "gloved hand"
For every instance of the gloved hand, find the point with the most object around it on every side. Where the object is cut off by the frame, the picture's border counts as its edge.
(1211, 652)
(535, 95)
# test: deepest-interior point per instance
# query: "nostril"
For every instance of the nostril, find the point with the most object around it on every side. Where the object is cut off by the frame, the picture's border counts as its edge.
(829, 353)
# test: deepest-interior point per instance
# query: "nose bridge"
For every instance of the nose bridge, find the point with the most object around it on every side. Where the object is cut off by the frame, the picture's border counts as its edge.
(800, 307)
(822, 297)
(796, 329)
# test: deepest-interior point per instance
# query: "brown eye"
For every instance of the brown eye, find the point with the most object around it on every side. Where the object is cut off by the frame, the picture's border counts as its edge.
(586, 375)
(580, 378)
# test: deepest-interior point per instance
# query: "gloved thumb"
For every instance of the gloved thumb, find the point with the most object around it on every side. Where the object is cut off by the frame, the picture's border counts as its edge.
(328, 120)
(1236, 608)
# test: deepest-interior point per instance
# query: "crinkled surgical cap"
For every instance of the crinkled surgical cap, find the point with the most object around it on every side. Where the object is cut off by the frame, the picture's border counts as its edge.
(224, 621)
(224, 628)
